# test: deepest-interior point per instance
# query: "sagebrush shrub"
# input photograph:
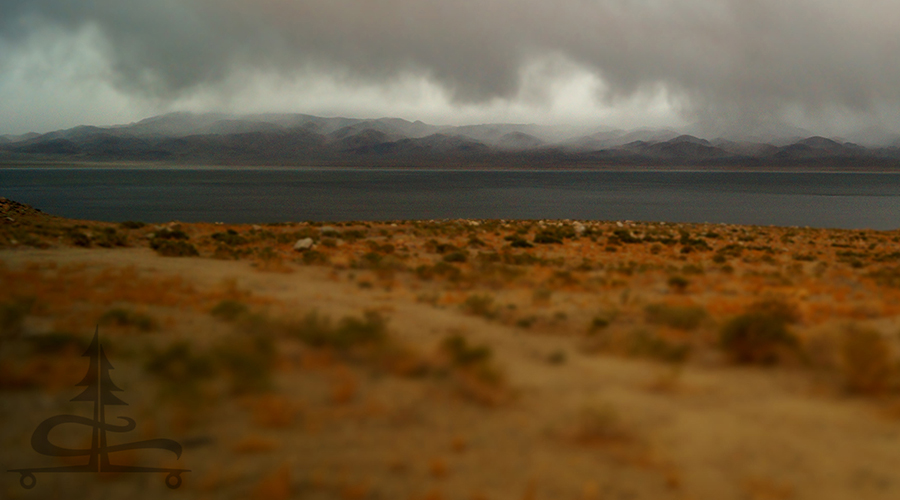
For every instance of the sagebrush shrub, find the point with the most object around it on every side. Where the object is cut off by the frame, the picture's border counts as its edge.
(480, 305)
(174, 248)
(756, 338)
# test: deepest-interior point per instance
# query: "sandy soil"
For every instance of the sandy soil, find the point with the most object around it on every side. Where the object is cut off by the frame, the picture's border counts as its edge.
(594, 367)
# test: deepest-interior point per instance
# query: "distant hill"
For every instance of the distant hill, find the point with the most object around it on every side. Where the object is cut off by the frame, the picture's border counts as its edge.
(518, 141)
(275, 139)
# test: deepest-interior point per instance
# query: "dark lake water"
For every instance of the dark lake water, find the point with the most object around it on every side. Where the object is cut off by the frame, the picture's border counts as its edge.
(843, 200)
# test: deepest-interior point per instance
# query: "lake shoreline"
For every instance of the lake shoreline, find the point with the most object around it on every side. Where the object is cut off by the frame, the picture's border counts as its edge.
(54, 164)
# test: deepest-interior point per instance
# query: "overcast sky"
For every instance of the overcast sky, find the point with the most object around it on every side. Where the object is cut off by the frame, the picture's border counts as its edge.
(730, 65)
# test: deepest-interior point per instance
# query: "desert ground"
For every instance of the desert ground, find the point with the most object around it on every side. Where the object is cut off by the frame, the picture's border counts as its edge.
(457, 359)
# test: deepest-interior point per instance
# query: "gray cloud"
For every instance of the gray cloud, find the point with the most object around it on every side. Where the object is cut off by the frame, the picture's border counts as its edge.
(724, 61)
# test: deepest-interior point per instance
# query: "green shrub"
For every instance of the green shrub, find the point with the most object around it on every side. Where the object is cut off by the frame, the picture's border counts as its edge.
(680, 317)
(132, 224)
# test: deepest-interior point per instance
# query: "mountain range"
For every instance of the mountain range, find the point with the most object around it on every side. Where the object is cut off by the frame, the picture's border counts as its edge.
(306, 140)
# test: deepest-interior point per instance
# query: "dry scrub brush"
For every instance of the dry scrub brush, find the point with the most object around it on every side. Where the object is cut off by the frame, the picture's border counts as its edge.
(761, 335)
(866, 361)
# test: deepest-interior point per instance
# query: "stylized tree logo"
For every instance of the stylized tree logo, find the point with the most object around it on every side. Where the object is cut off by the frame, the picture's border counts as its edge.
(99, 389)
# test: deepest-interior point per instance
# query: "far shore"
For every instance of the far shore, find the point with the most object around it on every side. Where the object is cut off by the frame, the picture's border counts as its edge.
(147, 165)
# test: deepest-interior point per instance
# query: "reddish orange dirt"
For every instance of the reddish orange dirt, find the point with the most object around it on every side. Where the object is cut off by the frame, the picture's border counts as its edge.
(459, 359)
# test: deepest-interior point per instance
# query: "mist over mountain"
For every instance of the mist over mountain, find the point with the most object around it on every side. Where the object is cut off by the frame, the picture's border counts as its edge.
(307, 140)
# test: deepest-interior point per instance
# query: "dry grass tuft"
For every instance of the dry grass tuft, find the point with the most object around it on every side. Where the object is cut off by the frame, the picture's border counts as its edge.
(475, 376)
(254, 444)
(459, 444)
(52, 372)
(275, 486)
(767, 489)
(359, 491)
(344, 386)
(438, 468)
(681, 317)
(866, 361)
(273, 411)
(599, 425)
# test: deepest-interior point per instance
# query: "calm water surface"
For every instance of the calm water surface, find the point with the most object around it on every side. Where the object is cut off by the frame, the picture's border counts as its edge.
(844, 200)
